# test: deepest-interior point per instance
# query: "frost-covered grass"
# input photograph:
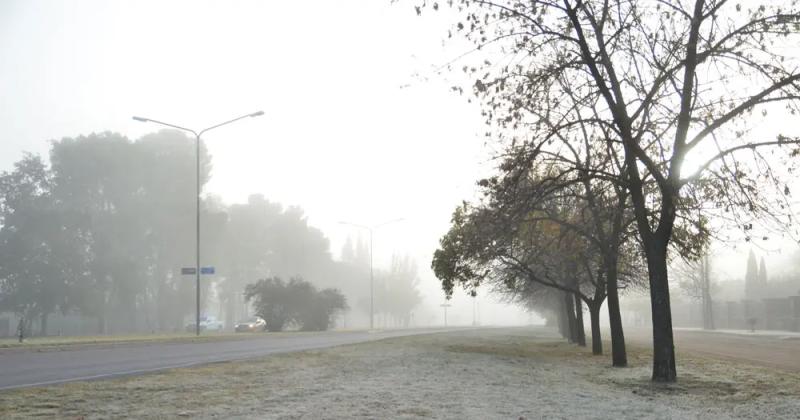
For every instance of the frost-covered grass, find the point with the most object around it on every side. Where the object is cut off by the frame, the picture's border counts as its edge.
(489, 373)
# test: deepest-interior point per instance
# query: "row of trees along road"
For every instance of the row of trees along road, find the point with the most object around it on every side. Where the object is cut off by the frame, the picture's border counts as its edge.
(667, 92)
(105, 228)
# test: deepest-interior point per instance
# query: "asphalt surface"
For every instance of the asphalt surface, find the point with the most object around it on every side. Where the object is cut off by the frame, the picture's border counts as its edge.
(35, 367)
(776, 351)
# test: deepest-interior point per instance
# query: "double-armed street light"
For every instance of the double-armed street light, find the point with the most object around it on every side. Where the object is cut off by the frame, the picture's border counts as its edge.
(197, 135)
(370, 229)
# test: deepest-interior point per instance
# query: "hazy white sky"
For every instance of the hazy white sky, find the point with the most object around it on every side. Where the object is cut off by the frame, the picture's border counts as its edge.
(350, 133)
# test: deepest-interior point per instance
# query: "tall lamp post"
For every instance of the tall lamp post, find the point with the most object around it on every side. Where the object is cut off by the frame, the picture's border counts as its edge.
(370, 229)
(197, 135)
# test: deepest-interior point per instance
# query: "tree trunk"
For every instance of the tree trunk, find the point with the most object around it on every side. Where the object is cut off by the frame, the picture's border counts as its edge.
(710, 313)
(597, 340)
(572, 327)
(663, 344)
(29, 325)
(43, 326)
(21, 329)
(230, 311)
(101, 323)
(580, 332)
(708, 309)
(561, 318)
(619, 356)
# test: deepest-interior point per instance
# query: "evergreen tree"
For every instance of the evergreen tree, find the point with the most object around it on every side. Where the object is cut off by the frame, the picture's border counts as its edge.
(348, 253)
(362, 255)
(751, 277)
(762, 274)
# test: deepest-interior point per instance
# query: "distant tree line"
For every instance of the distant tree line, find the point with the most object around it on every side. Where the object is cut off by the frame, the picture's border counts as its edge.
(105, 226)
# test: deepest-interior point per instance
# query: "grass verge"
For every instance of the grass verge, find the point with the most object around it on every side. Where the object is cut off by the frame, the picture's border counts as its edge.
(45, 342)
(512, 373)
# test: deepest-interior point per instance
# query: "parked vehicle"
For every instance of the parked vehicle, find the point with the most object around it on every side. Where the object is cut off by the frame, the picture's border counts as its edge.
(254, 324)
(207, 323)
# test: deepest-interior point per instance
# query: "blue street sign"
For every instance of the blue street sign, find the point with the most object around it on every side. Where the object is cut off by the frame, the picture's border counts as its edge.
(188, 270)
(206, 270)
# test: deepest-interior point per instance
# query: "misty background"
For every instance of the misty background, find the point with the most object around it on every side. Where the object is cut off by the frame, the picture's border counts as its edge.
(351, 133)
(359, 126)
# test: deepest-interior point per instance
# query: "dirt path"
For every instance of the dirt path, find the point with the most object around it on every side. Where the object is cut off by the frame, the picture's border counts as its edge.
(772, 351)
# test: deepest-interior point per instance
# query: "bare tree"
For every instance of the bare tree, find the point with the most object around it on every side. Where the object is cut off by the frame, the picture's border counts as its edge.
(680, 83)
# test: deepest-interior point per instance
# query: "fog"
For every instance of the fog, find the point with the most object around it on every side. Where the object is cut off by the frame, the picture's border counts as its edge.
(332, 209)
(357, 127)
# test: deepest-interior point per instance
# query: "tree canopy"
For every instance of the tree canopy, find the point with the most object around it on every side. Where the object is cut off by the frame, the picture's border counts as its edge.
(104, 229)
(294, 303)
(669, 89)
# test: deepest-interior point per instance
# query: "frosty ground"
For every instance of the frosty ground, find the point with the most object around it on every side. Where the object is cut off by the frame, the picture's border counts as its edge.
(517, 373)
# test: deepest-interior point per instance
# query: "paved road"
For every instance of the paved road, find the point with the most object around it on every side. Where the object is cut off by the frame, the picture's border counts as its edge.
(766, 350)
(34, 368)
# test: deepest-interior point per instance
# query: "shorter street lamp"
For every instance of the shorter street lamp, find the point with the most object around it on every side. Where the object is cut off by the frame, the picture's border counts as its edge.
(474, 294)
(197, 135)
(445, 306)
(370, 229)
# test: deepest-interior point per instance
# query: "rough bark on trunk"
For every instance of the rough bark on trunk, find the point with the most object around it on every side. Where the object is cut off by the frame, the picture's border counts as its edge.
(597, 340)
(619, 356)
(572, 328)
(580, 332)
(663, 344)
(561, 319)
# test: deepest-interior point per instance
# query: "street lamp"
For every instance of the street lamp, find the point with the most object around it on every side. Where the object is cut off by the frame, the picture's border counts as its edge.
(474, 310)
(445, 306)
(371, 273)
(197, 167)
(474, 294)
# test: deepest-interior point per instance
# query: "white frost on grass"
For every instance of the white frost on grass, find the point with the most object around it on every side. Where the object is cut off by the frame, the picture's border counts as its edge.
(479, 374)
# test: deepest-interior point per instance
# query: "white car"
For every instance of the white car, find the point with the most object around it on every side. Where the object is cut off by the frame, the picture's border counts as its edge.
(207, 323)
(254, 324)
